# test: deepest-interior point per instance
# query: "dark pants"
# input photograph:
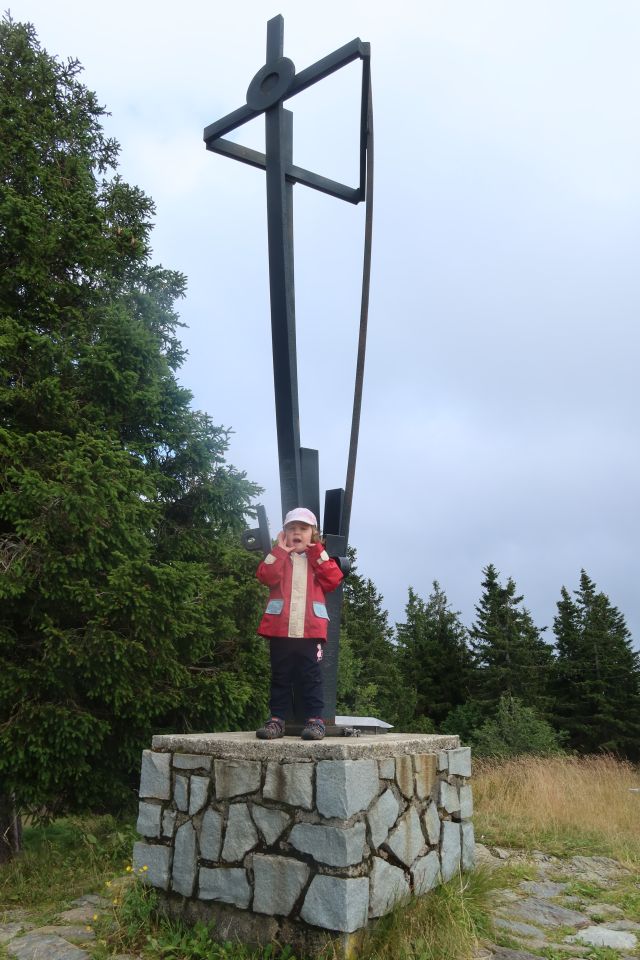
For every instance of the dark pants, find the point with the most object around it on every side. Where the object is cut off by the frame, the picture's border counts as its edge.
(296, 662)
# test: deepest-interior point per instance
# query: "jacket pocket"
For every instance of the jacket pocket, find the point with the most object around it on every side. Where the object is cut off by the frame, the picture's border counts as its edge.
(275, 607)
(320, 610)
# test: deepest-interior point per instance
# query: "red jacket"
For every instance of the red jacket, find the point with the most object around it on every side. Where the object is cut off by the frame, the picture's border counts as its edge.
(297, 585)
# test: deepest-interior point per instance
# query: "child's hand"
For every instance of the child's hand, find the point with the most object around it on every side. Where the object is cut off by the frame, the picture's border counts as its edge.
(282, 542)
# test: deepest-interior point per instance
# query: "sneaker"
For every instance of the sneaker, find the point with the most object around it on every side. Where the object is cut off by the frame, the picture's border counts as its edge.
(272, 730)
(313, 729)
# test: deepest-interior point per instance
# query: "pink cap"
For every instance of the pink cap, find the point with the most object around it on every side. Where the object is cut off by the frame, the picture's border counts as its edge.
(301, 515)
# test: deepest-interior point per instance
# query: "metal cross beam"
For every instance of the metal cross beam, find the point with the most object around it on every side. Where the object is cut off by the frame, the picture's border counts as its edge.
(274, 83)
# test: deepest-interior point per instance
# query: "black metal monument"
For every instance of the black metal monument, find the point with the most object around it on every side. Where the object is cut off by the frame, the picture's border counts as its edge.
(274, 83)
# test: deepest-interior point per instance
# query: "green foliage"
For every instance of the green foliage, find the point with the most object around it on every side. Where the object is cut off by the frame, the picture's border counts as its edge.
(515, 730)
(449, 922)
(434, 657)
(125, 607)
(464, 720)
(597, 674)
(510, 656)
(421, 724)
(137, 924)
(63, 860)
(372, 676)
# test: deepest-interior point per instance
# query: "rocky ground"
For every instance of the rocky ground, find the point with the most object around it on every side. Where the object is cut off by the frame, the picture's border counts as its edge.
(61, 940)
(565, 911)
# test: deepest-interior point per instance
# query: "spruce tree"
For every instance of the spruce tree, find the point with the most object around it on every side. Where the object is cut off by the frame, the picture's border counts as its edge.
(125, 607)
(597, 673)
(370, 655)
(510, 656)
(435, 658)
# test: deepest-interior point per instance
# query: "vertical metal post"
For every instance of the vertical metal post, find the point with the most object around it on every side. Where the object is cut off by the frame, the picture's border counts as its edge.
(310, 473)
(279, 156)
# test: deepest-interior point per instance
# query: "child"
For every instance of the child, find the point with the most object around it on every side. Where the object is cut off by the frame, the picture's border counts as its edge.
(298, 572)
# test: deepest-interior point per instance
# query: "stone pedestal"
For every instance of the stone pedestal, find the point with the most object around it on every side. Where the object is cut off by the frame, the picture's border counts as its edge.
(301, 842)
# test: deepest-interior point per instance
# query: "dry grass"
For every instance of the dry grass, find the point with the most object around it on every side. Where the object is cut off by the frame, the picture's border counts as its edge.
(562, 805)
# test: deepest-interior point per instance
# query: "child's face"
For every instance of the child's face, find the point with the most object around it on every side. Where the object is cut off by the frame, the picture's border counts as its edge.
(298, 535)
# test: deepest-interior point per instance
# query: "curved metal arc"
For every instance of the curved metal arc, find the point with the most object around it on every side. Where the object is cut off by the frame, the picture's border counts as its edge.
(364, 316)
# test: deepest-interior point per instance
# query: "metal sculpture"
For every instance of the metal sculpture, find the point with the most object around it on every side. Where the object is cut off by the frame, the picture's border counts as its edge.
(274, 83)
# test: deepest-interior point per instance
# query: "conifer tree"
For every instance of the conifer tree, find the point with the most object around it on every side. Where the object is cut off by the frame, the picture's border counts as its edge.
(510, 656)
(371, 657)
(125, 607)
(434, 655)
(597, 673)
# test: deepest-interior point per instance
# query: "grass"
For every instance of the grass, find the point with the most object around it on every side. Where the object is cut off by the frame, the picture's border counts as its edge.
(137, 926)
(68, 858)
(561, 805)
(447, 924)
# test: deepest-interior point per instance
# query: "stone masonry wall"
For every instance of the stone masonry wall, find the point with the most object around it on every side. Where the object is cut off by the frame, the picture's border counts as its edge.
(306, 834)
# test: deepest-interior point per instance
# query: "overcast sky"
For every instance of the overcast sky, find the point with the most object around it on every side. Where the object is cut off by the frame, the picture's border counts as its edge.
(500, 412)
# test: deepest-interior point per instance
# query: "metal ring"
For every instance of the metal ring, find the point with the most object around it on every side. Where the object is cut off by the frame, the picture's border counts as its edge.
(270, 83)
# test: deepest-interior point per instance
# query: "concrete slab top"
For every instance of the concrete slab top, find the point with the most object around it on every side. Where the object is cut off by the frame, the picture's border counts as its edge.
(245, 746)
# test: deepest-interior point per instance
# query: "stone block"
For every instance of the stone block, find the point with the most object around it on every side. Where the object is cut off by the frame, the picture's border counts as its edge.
(241, 835)
(443, 761)
(602, 936)
(404, 775)
(211, 835)
(44, 946)
(432, 823)
(387, 768)
(334, 903)
(191, 761)
(198, 794)
(406, 840)
(426, 873)
(337, 846)
(271, 823)
(157, 859)
(228, 926)
(233, 778)
(149, 815)
(168, 823)
(449, 798)
(278, 882)
(466, 802)
(226, 884)
(388, 886)
(460, 761)
(155, 775)
(290, 783)
(426, 765)
(382, 816)
(450, 849)
(184, 860)
(181, 793)
(468, 856)
(345, 787)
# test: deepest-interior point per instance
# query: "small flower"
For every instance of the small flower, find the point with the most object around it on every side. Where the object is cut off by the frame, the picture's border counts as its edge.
(129, 868)
(95, 916)
(145, 867)
(88, 928)
(108, 884)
